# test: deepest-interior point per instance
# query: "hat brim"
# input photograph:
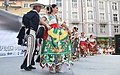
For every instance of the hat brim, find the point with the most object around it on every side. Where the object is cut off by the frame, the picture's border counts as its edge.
(37, 4)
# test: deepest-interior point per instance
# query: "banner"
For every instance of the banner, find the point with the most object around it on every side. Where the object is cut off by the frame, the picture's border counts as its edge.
(8, 44)
(10, 51)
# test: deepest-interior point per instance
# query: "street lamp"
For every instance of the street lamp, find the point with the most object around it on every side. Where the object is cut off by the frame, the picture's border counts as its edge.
(6, 3)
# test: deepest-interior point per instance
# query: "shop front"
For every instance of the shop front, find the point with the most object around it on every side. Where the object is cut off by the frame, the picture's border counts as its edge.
(105, 41)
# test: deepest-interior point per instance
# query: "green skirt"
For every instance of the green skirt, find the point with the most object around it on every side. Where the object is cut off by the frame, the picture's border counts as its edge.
(56, 49)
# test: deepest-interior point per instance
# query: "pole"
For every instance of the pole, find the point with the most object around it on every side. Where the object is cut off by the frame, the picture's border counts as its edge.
(49, 2)
(49, 5)
(82, 15)
(6, 3)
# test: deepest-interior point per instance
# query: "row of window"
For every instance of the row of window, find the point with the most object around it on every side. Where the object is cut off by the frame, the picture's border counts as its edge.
(102, 28)
(90, 16)
(101, 4)
(74, 3)
(89, 4)
(90, 13)
(102, 16)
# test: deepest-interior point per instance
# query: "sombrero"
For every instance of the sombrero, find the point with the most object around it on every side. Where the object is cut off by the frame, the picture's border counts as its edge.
(37, 4)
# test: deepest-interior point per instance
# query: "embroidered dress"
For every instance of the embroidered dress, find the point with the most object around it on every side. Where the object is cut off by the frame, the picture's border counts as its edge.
(74, 42)
(83, 45)
(92, 46)
(56, 48)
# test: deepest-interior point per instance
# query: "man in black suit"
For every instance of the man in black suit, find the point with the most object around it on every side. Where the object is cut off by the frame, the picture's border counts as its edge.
(31, 35)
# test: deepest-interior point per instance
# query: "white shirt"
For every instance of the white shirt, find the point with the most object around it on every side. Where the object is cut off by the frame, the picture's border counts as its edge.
(83, 39)
(91, 40)
(54, 18)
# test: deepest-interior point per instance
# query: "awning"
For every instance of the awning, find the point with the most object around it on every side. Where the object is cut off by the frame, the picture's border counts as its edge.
(103, 39)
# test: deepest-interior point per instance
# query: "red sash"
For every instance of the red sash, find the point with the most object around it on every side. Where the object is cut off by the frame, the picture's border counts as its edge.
(54, 25)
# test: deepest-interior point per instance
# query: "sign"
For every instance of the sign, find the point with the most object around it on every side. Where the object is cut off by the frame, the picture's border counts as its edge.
(10, 51)
(8, 44)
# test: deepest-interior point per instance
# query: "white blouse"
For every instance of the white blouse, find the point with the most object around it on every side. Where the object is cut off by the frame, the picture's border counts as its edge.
(55, 19)
(91, 40)
(83, 39)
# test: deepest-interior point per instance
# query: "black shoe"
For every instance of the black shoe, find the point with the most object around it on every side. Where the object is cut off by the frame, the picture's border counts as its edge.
(22, 67)
(25, 68)
(32, 67)
(38, 59)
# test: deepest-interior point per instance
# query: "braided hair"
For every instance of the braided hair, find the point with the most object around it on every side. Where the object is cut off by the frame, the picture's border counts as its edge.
(49, 8)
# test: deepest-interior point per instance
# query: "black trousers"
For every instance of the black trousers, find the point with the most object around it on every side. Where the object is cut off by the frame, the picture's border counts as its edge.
(25, 60)
(30, 53)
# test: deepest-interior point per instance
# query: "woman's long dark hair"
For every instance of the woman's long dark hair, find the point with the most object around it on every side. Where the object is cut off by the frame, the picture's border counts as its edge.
(49, 8)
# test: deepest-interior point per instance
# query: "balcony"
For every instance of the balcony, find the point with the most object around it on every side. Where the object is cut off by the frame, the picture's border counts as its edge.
(75, 22)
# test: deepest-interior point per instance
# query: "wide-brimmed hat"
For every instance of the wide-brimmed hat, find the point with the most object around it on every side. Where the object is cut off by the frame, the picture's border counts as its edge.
(37, 4)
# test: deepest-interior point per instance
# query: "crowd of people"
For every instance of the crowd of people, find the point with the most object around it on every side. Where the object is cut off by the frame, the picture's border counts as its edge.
(81, 45)
(106, 50)
(50, 38)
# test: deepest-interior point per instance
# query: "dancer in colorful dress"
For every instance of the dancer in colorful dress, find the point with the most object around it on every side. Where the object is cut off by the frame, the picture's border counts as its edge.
(74, 41)
(92, 45)
(56, 46)
(83, 45)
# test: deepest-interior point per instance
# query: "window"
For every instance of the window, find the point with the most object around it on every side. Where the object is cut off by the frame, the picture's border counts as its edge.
(74, 15)
(60, 14)
(90, 28)
(114, 6)
(102, 16)
(116, 29)
(90, 15)
(115, 17)
(102, 28)
(26, 5)
(101, 4)
(59, 3)
(74, 3)
(89, 3)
